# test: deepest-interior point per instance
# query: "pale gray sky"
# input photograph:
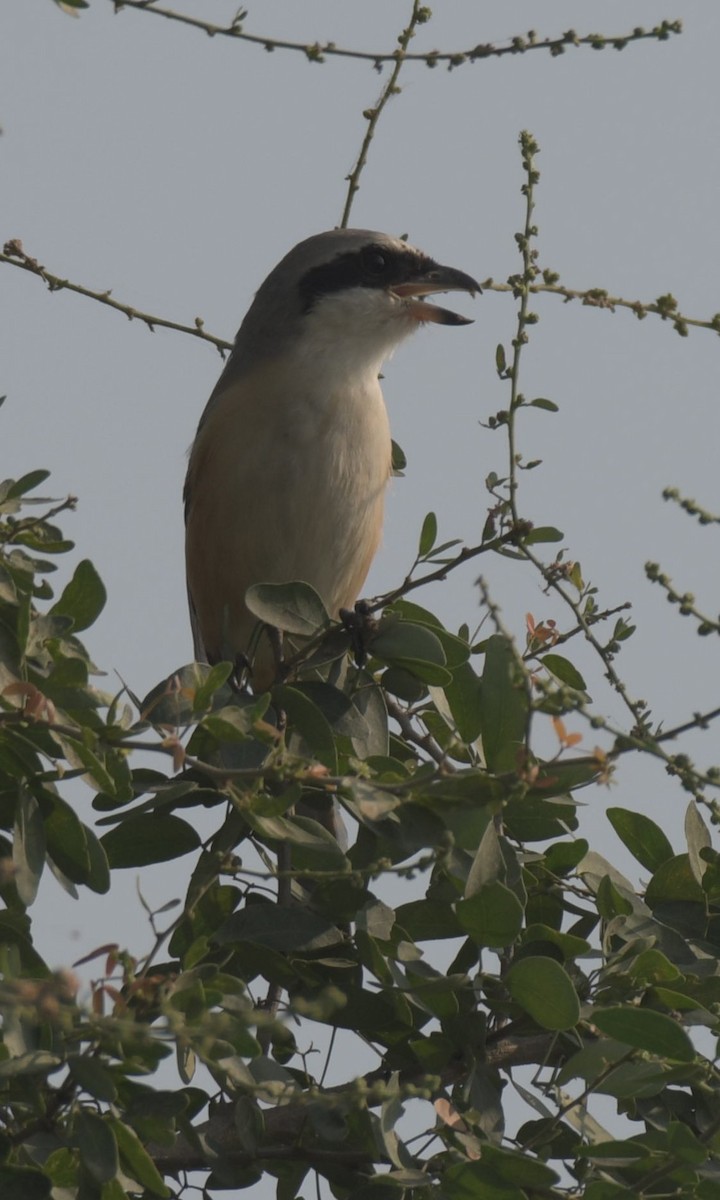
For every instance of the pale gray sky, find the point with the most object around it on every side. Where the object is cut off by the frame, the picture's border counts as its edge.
(176, 169)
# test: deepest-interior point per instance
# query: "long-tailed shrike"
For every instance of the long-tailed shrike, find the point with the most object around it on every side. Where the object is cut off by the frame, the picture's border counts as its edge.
(288, 470)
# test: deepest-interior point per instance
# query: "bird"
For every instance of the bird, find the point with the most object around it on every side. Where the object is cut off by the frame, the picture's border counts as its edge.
(287, 474)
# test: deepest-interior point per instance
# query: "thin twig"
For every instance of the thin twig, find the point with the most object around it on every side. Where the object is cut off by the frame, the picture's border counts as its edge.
(521, 286)
(15, 256)
(559, 639)
(425, 741)
(465, 555)
(664, 307)
(317, 52)
(418, 16)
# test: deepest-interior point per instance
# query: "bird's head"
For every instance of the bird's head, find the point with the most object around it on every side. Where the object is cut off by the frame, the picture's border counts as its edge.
(354, 293)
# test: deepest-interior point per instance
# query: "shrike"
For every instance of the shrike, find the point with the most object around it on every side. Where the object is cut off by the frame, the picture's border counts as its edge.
(288, 470)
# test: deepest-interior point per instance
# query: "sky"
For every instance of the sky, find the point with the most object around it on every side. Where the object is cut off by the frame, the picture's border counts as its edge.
(176, 169)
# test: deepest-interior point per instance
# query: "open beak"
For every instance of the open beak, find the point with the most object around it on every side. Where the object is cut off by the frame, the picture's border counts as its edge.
(437, 279)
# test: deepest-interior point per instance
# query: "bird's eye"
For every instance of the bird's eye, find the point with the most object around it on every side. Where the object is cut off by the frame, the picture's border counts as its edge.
(375, 262)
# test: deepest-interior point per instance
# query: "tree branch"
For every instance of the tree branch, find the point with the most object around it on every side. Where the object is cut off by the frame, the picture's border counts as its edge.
(418, 16)
(284, 1124)
(665, 307)
(15, 256)
(317, 52)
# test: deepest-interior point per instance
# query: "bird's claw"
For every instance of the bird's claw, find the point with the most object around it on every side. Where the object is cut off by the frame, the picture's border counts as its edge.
(359, 623)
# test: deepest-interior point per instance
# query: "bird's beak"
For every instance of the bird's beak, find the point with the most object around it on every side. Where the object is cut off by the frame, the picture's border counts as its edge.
(437, 279)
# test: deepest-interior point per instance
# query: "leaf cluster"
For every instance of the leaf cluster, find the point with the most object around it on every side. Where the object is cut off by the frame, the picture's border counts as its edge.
(552, 957)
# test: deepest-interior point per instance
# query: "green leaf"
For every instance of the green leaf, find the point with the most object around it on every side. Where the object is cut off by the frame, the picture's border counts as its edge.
(97, 1144)
(291, 607)
(504, 706)
(476, 1181)
(36, 1062)
(543, 533)
(428, 920)
(698, 839)
(519, 1168)
(428, 535)
(652, 966)
(544, 989)
(314, 846)
(455, 649)
(139, 841)
(610, 901)
(564, 670)
(179, 699)
(492, 917)
(26, 483)
(80, 754)
(674, 881)
(306, 720)
(83, 599)
(399, 461)
(500, 359)
(28, 847)
(136, 1159)
(643, 838)
(14, 931)
(299, 930)
(23, 1183)
(70, 7)
(570, 946)
(682, 1143)
(98, 879)
(369, 702)
(66, 842)
(92, 1077)
(541, 402)
(414, 647)
(562, 857)
(463, 697)
(488, 865)
(645, 1029)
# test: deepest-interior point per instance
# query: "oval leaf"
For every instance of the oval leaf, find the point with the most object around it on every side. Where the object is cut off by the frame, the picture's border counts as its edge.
(97, 1144)
(138, 841)
(84, 597)
(292, 607)
(428, 535)
(28, 847)
(492, 917)
(23, 1183)
(544, 989)
(564, 670)
(643, 838)
(646, 1030)
(504, 706)
(543, 533)
(547, 405)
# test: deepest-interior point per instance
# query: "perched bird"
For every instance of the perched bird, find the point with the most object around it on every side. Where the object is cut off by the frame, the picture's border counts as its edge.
(288, 470)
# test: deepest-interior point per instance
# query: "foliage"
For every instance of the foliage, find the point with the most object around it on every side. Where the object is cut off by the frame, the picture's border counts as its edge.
(555, 958)
(427, 741)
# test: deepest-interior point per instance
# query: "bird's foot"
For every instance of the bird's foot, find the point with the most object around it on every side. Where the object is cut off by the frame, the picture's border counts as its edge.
(242, 671)
(360, 624)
